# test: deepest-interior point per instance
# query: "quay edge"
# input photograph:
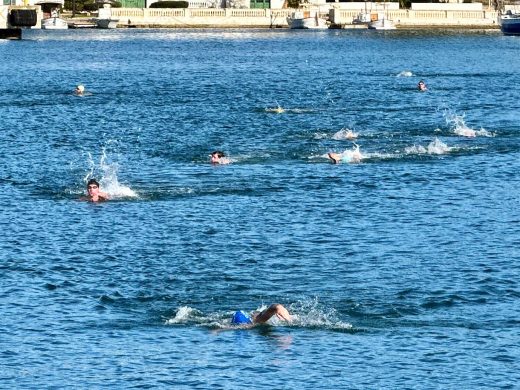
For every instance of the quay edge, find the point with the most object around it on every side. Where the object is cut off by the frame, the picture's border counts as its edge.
(277, 18)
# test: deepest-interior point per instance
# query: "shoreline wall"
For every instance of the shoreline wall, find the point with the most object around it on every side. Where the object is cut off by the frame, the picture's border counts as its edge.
(201, 17)
(426, 18)
(243, 18)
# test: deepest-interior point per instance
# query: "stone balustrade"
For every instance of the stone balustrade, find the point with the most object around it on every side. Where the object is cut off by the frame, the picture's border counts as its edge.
(231, 17)
(201, 17)
(424, 18)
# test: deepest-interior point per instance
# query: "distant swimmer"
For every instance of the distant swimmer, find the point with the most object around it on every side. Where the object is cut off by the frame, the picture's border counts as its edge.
(405, 73)
(276, 110)
(348, 156)
(345, 134)
(80, 90)
(219, 157)
(94, 194)
(240, 318)
(422, 86)
(350, 135)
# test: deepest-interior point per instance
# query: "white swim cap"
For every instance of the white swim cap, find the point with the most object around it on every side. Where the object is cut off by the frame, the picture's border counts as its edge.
(80, 88)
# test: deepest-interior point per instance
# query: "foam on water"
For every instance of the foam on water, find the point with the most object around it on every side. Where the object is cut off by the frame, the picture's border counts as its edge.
(352, 155)
(182, 315)
(459, 127)
(106, 173)
(434, 147)
(345, 134)
(310, 313)
(275, 110)
(405, 73)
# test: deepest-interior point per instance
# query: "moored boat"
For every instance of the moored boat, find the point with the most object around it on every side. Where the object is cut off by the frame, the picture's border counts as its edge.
(306, 19)
(105, 19)
(381, 23)
(107, 23)
(51, 15)
(510, 22)
(362, 18)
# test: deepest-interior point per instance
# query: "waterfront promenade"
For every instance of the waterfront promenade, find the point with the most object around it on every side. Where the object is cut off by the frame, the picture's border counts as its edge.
(276, 18)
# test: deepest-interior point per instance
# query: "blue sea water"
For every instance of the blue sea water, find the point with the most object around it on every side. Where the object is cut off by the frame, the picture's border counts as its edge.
(401, 270)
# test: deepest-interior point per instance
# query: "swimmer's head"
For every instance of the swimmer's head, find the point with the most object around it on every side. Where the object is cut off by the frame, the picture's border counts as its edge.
(92, 183)
(80, 88)
(239, 318)
(216, 156)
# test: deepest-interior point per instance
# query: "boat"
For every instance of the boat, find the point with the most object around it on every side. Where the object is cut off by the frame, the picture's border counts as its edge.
(509, 22)
(381, 23)
(51, 14)
(306, 19)
(82, 24)
(105, 19)
(107, 23)
(362, 18)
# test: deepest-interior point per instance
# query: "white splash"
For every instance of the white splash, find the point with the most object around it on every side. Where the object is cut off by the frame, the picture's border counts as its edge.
(108, 177)
(438, 147)
(320, 135)
(305, 313)
(348, 156)
(484, 133)
(183, 314)
(310, 313)
(460, 128)
(345, 134)
(434, 147)
(276, 110)
(405, 73)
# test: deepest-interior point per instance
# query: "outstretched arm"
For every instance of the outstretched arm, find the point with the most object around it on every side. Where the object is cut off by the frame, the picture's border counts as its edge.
(335, 157)
(275, 309)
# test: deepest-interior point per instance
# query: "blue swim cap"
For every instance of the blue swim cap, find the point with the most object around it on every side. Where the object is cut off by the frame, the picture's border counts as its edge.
(239, 318)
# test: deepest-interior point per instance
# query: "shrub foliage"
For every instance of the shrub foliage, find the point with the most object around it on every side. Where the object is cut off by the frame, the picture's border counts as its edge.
(170, 4)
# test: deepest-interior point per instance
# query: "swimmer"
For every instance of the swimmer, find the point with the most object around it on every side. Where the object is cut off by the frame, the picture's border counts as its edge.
(240, 318)
(94, 194)
(465, 132)
(350, 135)
(276, 110)
(422, 86)
(348, 156)
(218, 157)
(80, 90)
(345, 134)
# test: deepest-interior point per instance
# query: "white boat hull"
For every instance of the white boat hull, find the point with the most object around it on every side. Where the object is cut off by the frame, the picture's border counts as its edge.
(306, 20)
(307, 23)
(382, 24)
(54, 24)
(107, 23)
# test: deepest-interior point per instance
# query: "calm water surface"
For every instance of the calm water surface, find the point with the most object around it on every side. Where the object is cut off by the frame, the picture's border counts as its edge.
(402, 270)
